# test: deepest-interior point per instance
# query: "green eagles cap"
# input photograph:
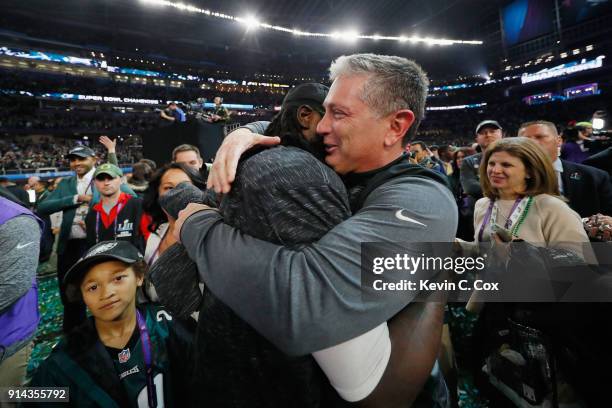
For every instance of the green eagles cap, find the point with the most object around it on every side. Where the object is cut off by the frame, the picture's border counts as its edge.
(109, 169)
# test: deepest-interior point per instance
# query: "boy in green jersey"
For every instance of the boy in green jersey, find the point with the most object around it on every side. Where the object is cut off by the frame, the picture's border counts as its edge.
(124, 355)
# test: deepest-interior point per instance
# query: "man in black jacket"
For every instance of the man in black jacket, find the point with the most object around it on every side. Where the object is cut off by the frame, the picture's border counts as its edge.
(601, 160)
(588, 189)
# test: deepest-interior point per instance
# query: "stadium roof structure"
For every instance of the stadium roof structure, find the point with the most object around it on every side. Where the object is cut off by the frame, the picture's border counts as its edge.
(175, 32)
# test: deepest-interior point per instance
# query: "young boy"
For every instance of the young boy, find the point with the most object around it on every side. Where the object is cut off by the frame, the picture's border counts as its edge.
(123, 356)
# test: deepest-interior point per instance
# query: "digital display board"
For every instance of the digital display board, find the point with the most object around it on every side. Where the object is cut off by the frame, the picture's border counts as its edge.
(581, 91)
(577, 11)
(563, 69)
(524, 20)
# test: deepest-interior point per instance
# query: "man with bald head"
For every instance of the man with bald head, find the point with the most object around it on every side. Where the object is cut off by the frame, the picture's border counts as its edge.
(588, 189)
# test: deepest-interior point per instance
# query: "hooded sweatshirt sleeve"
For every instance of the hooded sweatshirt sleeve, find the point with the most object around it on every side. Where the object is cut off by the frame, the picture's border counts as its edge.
(312, 298)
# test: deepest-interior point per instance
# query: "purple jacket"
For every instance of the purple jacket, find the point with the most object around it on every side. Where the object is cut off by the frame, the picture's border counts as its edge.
(571, 151)
(20, 320)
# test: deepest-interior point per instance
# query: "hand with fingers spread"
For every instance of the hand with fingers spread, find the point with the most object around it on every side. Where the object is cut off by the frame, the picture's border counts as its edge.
(223, 170)
(109, 143)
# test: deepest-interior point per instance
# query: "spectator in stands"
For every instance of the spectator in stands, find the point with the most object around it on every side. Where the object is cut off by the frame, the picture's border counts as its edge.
(124, 355)
(465, 203)
(487, 132)
(588, 189)
(118, 215)
(421, 155)
(139, 178)
(31, 182)
(434, 151)
(73, 196)
(53, 183)
(151, 164)
(16, 190)
(585, 130)
(189, 155)
(573, 148)
(40, 187)
(220, 113)
(162, 181)
(445, 156)
(19, 245)
(174, 113)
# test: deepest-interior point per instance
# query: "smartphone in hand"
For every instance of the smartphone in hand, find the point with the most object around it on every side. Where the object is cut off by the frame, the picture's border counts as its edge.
(503, 233)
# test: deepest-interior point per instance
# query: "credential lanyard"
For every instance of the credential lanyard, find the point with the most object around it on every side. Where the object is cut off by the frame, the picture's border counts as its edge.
(156, 252)
(487, 217)
(145, 340)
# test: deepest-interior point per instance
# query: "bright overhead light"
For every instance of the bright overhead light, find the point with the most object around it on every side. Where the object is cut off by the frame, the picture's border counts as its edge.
(347, 36)
(252, 23)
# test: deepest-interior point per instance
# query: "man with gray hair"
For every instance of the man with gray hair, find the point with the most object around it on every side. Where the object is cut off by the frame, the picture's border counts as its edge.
(310, 299)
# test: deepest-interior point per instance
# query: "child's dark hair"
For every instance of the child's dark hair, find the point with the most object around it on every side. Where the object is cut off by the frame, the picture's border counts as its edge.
(151, 195)
(73, 289)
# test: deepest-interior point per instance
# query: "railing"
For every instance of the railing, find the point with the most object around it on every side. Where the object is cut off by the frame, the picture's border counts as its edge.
(47, 172)
(227, 129)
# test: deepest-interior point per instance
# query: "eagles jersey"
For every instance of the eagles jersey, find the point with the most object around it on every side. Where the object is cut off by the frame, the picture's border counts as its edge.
(102, 376)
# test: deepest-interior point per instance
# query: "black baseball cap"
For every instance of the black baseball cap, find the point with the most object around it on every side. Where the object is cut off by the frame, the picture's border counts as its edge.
(81, 151)
(311, 94)
(488, 123)
(104, 251)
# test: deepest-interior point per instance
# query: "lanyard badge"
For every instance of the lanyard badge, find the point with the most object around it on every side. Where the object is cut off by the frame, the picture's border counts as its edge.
(145, 340)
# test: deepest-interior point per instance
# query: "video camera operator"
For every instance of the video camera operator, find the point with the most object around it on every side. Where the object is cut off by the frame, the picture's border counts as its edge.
(173, 113)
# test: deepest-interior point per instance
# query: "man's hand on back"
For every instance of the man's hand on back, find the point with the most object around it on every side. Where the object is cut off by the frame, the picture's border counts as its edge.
(223, 170)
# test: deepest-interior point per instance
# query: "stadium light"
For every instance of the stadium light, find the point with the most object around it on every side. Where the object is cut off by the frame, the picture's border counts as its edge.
(598, 123)
(252, 22)
(347, 36)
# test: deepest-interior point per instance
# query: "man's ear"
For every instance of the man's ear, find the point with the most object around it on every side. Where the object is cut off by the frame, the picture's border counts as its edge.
(400, 123)
(304, 115)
